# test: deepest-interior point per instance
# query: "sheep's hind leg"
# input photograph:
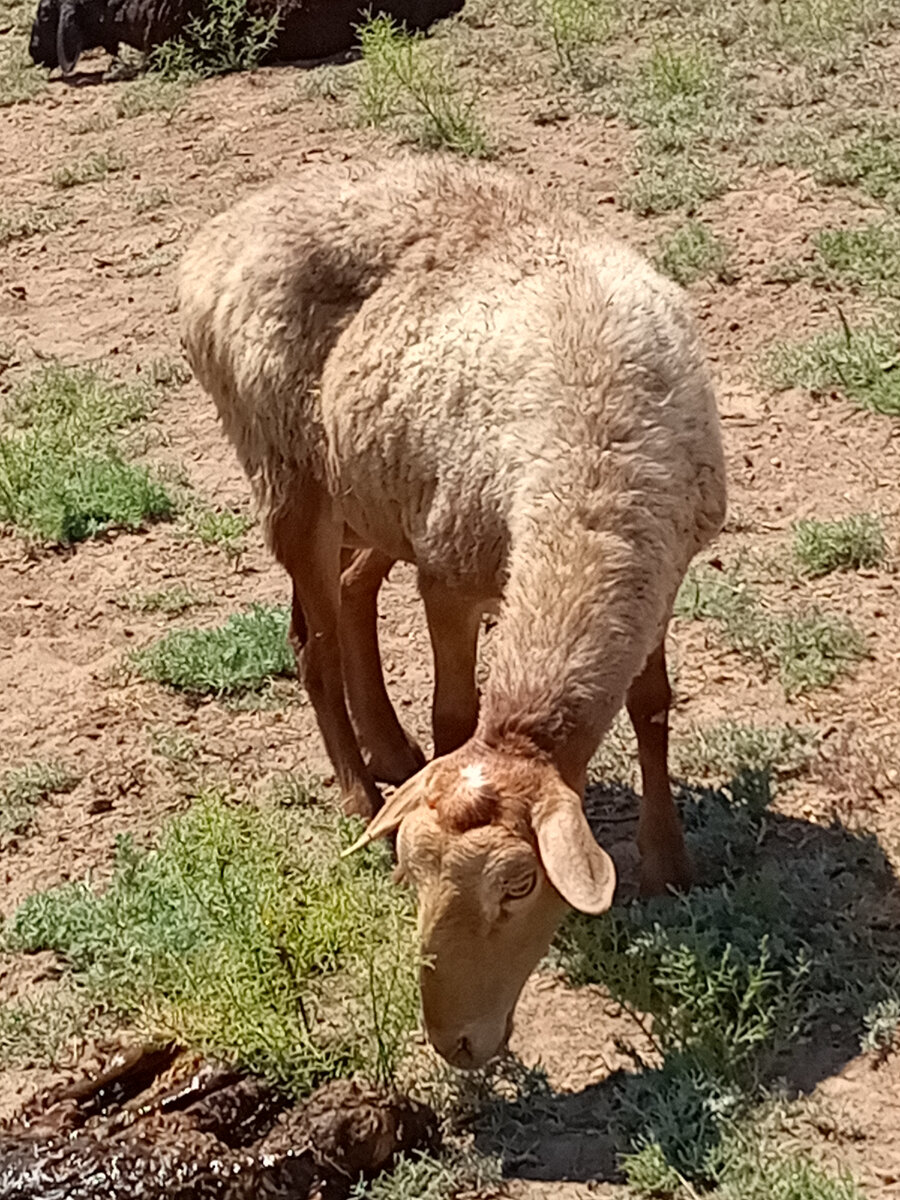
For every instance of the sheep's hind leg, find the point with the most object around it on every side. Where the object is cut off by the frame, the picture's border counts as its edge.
(664, 858)
(393, 754)
(307, 542)
(453, 623)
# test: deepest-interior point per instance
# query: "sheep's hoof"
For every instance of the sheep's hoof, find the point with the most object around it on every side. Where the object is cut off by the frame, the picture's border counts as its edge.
(360, 801)
(662, 871)
(397, 764)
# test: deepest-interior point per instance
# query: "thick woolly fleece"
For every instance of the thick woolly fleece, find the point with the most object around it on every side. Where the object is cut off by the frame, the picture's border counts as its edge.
(492, 388)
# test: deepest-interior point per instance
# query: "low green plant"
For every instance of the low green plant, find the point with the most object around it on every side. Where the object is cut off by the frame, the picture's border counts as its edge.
(22, 789)
(728, 748)
(167, 372)
(405, 82)
(170, 600)
(223, 528)
(691, 252)
(150, 200)
(574, 28)
(865, 259)
(665, 182)
(62, 474)
(678, 98)
(36, 1030)
(92, 169)
(770, 948)
(870, 162)
(225, 37)
(150, 93)
(860, 363)
(20, 80)
(882, 1023)
(26, 222)
(244, 934)
(848, 544)
(805, 647)
(242, 655)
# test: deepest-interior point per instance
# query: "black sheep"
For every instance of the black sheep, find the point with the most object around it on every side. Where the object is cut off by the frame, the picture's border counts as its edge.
(307, 29)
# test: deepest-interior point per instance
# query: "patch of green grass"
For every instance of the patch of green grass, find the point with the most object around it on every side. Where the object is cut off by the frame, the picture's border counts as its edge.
(170, 600)
(881, 1024)
(26, 222)
(864, 364)
(150, 94)
(665, 182)
(22, 789)
(407, 84)
(151, 200)
(804, 647)
(870, 162)
(574, 27)
(848, 544)
(92, 169)
(35, 1031)
(62, 474)
(242, 655)
(769, 951)
(244, 934)
(226, 37)
(678, 97)
(865, 259)
(728, 748)
(691, 252)
(20, 79)
(220, 527)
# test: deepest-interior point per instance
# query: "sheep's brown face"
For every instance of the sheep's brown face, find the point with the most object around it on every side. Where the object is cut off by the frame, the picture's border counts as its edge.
(487, 914)
(495, 847)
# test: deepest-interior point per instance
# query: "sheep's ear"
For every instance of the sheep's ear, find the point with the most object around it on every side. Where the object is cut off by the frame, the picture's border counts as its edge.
(69, 42)
(407, 797)
(580, 870)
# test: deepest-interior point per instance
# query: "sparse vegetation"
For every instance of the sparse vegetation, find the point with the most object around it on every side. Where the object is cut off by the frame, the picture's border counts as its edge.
(26, 222)
(574, 27)
(864, 259)
(23, 789)
(405, 83)
(805, 647)
(242, 655)
(729, 749)
(226, 37)
(871, 162)
(860, 363)
(849, 544)
(63, 477)
(244, 933)
(171, 600)
(663, 183)
(223, 528)
(149, 94)
(92, 169)
(691, 252)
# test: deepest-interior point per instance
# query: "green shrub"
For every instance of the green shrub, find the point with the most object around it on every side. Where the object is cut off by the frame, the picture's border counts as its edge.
(62, 476)
(244, 934)
(226, 37)
(849, 544)
(246, 652)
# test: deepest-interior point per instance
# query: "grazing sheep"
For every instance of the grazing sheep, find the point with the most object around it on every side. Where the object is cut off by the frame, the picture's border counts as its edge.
(434, 362)
(308, 29)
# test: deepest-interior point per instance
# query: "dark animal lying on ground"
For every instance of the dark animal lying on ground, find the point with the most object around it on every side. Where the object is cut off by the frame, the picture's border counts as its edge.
(308, 29)
(216, 1135)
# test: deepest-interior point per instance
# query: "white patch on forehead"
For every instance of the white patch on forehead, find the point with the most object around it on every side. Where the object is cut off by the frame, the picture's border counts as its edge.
(475, 777)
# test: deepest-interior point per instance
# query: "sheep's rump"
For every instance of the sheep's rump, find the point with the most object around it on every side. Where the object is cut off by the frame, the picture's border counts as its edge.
(434, 341)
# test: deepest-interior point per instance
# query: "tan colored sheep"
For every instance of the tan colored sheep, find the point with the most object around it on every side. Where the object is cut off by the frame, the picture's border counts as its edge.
(434, 362)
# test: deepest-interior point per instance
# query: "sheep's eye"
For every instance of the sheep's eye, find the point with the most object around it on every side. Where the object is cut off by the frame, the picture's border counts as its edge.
(521, 888)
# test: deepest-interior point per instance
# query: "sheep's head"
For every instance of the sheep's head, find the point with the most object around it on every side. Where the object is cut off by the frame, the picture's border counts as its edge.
(495, 846)
(64, 29)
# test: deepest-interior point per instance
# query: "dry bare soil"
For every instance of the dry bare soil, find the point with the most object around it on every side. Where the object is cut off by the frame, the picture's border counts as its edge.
(762, 134)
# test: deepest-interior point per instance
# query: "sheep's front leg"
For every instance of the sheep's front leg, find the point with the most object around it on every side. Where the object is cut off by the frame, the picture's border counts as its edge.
(664, 858)
(307, 541)
(453, 623)
(393, 754)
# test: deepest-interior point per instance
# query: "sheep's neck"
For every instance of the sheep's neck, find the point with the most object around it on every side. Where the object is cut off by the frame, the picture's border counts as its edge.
(583, 608)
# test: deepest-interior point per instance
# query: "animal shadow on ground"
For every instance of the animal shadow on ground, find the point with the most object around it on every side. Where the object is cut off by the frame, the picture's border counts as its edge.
(759, 980)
